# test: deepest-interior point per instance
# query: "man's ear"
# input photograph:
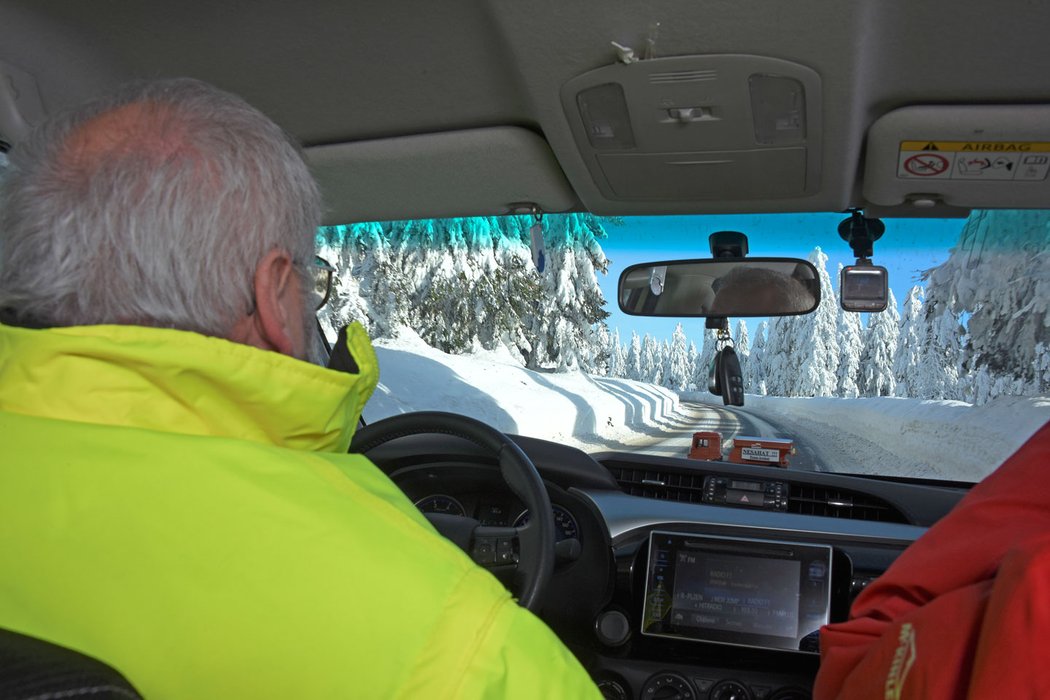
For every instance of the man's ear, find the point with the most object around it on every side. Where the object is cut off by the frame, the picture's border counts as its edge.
(276, 323)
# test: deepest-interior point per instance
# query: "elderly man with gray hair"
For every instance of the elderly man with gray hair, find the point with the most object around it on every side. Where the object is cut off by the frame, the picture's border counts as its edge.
(176, 495)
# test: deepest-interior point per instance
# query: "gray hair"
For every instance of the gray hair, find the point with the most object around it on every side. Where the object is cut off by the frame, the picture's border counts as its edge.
(133, 237)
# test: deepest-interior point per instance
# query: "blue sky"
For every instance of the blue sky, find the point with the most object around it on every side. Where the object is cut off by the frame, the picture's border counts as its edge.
(908, 247)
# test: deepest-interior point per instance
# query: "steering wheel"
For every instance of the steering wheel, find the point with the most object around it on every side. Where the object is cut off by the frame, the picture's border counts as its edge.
(490, 547)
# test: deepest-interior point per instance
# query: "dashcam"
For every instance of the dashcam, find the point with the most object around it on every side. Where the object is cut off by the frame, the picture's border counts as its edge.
(864, 287)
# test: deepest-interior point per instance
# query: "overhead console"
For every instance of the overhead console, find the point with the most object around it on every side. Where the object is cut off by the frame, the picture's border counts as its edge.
(693, 128)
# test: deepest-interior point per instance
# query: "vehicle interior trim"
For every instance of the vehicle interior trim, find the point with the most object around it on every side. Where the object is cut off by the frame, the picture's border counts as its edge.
(495, 168)
(625, 514)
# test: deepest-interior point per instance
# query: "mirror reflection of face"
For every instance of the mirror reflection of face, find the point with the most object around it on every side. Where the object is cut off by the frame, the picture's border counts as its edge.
(759, 287)
(744, 289)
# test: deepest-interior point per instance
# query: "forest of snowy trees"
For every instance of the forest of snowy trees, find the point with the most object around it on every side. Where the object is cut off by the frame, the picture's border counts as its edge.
(470, 283)
(969, 332)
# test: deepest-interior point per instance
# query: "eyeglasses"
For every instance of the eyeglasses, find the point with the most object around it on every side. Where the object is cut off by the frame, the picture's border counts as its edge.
(321, 271)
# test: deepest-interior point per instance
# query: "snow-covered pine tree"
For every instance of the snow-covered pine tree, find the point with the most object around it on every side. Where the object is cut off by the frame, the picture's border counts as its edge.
(515, 288)
(617, 357)
(652, 360)
(677, 361)
(779, 351)
(634, 359)
(754, 371)
(665, 363)
(694, 357)
(999, 275)
(851, 345)
(470, 282)
(741, 341)
(701, 369)
(910, 344)
(347, 302)
(742, 345)
(570, 300)
(602, 350)
(936, 376)
(817, 352)
(461, 283)
(880, 347)
(801, 352)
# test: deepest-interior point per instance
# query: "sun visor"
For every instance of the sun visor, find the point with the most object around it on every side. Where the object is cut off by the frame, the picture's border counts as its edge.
(486, 171)
(979, 156)
(694, 128)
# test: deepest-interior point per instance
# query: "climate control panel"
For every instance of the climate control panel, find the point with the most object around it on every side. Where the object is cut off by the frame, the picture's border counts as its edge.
(768, 495)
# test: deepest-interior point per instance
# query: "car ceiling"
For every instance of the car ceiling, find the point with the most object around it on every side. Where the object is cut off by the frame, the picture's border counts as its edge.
(411, 109)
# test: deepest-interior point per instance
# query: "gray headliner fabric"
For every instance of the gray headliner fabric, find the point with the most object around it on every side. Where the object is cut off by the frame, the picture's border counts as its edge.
(333, 72)
(475, 171)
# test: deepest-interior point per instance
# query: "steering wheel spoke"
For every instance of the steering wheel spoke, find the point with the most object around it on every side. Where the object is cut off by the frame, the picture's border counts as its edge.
(527, 552)
(496, 547)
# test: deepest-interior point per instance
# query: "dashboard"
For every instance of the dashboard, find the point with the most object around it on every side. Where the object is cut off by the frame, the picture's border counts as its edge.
(680, 578)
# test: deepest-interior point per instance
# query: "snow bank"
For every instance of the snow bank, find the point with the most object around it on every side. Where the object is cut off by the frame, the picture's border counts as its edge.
(936, 439)
(891, 436)
(573, 408)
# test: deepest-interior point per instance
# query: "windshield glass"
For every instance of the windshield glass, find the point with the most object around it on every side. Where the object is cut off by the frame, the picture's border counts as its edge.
(513, 320)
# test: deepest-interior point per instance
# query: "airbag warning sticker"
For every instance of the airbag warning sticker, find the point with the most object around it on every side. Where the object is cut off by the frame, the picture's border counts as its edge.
(974, 160)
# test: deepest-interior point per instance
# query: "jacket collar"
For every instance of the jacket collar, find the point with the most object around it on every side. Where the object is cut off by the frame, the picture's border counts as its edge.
(183, 382)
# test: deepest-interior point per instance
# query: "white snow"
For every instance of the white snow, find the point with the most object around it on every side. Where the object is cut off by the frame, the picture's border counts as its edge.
(886, 435)
(908, 437)
(568, 407)
(978, 333)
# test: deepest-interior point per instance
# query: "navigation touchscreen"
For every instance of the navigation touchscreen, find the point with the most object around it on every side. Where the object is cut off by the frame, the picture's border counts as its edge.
(759, 593)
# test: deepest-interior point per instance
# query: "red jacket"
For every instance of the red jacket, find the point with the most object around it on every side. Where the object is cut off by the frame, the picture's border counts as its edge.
(965, 611)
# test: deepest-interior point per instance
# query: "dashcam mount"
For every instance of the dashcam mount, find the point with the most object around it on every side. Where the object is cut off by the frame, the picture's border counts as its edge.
(861, 233)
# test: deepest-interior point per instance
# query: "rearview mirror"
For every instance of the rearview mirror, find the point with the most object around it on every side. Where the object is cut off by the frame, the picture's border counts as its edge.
(720, 287)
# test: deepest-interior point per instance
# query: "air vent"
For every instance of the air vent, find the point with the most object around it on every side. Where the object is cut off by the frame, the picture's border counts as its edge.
(804, 499)
(686, 76)
(663, 485)
(808, 499)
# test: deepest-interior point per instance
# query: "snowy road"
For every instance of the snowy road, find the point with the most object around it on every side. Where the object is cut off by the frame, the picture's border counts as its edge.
(730, 422)
(884, 435)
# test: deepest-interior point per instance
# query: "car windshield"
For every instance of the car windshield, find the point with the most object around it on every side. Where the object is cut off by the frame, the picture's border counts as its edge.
(513, 320)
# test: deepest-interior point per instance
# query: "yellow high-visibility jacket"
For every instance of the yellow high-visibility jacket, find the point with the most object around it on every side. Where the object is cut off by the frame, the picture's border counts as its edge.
(182, 508)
